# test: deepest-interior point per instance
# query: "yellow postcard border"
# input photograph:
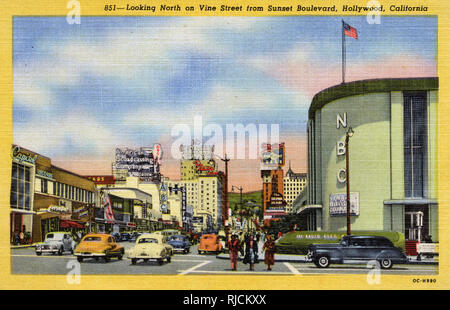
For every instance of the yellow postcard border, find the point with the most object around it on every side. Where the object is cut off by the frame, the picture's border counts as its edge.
(190, 282)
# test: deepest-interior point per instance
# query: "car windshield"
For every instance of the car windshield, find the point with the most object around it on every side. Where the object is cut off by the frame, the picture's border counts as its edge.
(176, 239)
(148, 240)
(92, 239)
(55, 236)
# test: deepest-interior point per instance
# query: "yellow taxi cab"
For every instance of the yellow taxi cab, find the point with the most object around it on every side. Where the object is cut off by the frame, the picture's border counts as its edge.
(98, 246)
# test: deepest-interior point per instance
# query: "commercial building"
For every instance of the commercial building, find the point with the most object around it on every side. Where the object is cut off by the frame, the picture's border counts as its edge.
(136, 204)
(272, 162)
(46, 198)
(293, 185)
(392, 157)
(204, 195)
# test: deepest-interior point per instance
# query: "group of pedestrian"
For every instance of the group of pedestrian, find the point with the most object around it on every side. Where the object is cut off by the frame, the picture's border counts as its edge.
(249, 249)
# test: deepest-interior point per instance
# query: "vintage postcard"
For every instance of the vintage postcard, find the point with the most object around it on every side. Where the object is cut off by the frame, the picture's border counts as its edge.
(225, 145)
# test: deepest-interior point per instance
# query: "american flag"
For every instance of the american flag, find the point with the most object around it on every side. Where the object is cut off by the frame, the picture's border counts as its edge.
(109, 215)
(349, 30)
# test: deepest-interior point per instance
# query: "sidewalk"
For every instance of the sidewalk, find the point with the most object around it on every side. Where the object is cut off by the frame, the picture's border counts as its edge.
(22, 246)
(287, 258)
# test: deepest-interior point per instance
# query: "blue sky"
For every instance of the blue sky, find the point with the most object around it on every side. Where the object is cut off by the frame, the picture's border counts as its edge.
(81, 90)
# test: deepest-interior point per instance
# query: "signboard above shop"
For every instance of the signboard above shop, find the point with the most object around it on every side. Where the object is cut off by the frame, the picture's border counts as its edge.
(338, 204)
(101, 179)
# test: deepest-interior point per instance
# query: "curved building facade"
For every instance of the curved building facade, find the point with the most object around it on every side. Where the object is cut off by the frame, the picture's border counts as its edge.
(392, 157)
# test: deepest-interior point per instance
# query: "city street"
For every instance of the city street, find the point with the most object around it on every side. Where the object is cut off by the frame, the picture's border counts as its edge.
(25, 261)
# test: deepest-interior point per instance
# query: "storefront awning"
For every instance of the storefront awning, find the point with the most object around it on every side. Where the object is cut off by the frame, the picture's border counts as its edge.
(70, 224)
(308, 207)
(129, 193)
(47, 215)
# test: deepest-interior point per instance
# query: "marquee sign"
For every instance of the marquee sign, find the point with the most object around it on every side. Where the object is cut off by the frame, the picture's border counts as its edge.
(338, 204)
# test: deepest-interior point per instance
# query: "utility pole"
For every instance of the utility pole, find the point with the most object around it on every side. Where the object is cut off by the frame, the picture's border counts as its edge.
(225, 213)
(347, 177)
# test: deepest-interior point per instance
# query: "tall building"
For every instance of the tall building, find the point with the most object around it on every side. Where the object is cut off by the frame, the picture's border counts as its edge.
(272, 162)
(204, 195)
(272, 185)
(197, 160)
(392, 157)
(293, 185)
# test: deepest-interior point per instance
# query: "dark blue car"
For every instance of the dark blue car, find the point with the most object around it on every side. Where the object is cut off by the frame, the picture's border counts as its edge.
(179, 243)
(357, 249)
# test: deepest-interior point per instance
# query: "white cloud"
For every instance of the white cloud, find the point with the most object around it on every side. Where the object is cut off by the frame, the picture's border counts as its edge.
(83, 131)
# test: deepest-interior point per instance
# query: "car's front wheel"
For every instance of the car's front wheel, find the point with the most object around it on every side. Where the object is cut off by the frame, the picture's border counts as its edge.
(79, 259)
(322, 262)
(38, 253)
(133, 261)
(386, 263)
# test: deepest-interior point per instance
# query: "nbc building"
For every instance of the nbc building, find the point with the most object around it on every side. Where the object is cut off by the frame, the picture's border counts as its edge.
(392, 154)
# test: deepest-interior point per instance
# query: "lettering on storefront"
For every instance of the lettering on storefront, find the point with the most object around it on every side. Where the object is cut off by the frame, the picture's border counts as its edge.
(340, 146)
(18, 155)
(45, 174)
(341, 120)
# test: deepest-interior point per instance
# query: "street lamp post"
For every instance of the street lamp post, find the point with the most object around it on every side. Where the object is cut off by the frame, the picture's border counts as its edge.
(348, 135)
(240, 188)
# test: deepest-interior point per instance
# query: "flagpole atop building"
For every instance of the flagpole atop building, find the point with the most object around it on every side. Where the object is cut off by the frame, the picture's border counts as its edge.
(343, 53)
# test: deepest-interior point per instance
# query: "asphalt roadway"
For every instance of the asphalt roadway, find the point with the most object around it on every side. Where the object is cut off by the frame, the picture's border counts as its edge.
(25, 261)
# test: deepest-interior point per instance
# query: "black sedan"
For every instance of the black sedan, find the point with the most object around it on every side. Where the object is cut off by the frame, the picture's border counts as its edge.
(357, 249)
(179, 243)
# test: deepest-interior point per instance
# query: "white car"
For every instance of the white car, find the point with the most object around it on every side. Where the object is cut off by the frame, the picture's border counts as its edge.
(56, 243)
(151, 246)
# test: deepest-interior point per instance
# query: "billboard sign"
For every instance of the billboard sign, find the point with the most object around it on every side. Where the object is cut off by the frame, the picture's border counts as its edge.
(137, 163)
(273, 156)
(338, 204)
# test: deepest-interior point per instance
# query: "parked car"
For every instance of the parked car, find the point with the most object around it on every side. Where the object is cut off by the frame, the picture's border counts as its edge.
(151, 246)
(210, 243)
(357, 249)
(98, 246)
(179, 243)
(56, 243)
(297, 242)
